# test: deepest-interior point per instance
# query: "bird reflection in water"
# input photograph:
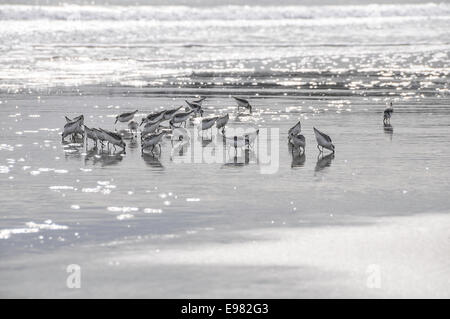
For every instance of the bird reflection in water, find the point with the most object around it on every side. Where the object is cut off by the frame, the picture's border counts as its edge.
(108, 159)
(298, 160)
(152, 160)
(324, 161)
(388, 130)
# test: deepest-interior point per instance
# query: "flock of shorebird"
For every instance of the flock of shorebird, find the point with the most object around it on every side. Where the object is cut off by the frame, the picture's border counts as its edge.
(152, 131)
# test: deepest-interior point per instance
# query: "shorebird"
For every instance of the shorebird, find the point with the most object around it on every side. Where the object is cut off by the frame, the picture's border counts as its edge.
(388, 113)
(295, 130)
(91, 134)
(243, 103)
(206, 124)
(150, 128)
(114, 139)
(125, 117)
(200, 100)
(222, 121)
(152, 141)
(154, 117)
(100, 135)
(180, 118)
(196, 107)
(297, 141)
(323, 140)
(73, 127)
(170, 113)
(133, 126)
(75, 118)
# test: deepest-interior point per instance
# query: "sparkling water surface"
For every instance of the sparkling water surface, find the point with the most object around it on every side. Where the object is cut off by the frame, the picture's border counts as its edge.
(332, 67)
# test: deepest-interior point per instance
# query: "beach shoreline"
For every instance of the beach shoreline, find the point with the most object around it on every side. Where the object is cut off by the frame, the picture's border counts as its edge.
(326, 262)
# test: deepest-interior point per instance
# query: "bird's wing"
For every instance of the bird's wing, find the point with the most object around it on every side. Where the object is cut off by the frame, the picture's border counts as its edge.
(323, 135)
(240, 99)
(115, 135)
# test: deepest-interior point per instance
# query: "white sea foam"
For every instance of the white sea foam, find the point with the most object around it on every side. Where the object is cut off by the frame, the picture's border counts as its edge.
(6, 233)
(4, 169)
(63, 187)
(32, 227)
(152, 211)
(6, 147)
(122, 209)
(176, 13)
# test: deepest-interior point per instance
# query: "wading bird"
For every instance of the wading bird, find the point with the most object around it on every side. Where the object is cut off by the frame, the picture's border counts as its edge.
(388, 113)
(125, 117)
(243, 103)
(221, 122)
(323, 141)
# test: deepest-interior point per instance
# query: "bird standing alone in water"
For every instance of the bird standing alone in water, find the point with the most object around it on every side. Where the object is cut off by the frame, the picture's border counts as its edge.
(323, 141)
(388, 113)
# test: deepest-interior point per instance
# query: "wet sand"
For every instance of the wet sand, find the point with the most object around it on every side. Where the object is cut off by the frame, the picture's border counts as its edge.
(326, 262)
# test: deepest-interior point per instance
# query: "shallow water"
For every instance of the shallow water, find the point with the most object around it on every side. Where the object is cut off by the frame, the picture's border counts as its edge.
(103, 197)
(334, 69)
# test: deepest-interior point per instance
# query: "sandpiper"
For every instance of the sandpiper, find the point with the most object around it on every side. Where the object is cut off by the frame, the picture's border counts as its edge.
(170, 113)
(114, 139)
(222, 121)
(243, 103)
(152, 141)
(73, 127)
(388, 113)
(295, 130)
(298, 141)
(323, 140)
(133, 126)
(125, 117)
(154, 117)
(180, 118)
(91, 134)
(100, 135)
(200, 100)
(150, 128)
(206, 124)
(75, 118)
(197, 108)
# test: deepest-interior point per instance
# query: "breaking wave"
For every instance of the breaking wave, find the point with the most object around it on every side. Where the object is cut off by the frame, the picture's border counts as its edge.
(177, 13)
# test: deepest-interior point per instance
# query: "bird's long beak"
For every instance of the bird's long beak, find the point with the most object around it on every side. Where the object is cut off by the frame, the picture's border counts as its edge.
(117, 118)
